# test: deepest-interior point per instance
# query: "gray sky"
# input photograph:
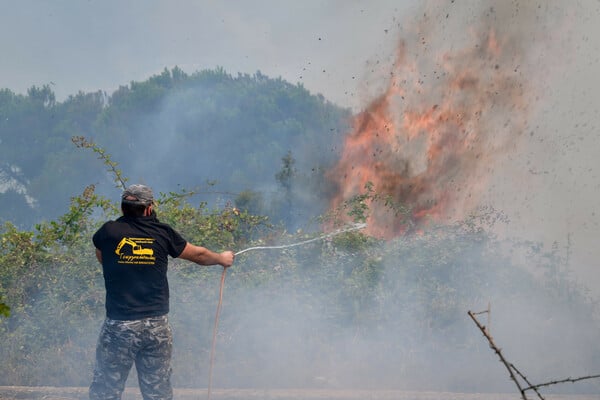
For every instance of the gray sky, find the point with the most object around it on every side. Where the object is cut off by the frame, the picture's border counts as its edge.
(99, 45)
(549, 186)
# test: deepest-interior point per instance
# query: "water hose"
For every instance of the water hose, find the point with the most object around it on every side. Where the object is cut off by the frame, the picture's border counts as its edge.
(214, 337)
(328, 235)
(220, 303)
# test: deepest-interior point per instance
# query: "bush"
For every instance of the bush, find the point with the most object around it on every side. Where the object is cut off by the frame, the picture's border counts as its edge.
(348, 311)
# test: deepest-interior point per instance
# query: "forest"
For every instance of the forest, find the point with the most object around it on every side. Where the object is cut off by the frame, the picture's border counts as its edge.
(239, 162)
(207, 131)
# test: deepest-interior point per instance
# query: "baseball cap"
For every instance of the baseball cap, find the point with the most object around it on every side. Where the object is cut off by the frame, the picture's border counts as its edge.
(141, 194)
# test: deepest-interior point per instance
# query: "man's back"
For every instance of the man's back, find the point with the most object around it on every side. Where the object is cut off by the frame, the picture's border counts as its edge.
(135, 254)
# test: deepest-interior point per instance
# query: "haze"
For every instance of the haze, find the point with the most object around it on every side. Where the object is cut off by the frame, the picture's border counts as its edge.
(548, 187)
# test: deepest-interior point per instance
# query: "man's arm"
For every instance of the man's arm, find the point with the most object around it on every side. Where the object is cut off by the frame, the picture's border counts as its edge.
(99, 256)
(203, 256)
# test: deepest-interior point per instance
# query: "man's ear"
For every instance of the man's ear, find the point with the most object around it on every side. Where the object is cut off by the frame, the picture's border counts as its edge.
(148, 211)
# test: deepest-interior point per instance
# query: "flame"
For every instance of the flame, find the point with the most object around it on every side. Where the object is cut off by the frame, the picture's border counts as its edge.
(430, 140)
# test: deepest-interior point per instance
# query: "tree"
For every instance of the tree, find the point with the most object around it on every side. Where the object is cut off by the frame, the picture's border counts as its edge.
(285, 178)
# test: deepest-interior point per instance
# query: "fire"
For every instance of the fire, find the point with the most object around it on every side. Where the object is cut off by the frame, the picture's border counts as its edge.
(430, 140)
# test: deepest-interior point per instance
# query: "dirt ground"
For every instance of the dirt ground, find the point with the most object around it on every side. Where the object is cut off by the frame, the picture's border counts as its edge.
(80, 393)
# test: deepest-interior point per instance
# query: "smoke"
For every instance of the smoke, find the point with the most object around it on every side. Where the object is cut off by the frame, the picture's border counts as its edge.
(393, 317)
(12, 180)
(458, 103)
(459, 97)
(469, 73)
(337, 315)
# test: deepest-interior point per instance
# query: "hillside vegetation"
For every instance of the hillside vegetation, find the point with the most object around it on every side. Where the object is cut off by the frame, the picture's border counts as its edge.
(350, 311)
(223, 135)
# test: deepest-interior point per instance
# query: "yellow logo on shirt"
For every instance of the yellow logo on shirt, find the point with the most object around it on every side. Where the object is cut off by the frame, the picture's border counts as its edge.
(135, 251)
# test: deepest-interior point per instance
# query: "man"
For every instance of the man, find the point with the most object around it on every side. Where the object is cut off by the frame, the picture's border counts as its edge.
(133, 251)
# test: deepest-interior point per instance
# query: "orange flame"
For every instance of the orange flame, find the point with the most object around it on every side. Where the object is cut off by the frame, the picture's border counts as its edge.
(430, 140)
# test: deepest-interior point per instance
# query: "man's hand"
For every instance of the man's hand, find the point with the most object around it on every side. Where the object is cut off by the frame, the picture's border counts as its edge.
(227, 259)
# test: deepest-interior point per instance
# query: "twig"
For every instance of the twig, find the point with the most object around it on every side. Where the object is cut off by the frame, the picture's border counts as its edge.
(526, 381)
(82, 142)
(512, 369)
(572, 380)
(499, 353)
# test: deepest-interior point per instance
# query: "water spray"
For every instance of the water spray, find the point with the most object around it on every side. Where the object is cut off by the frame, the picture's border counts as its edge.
(286, 246)
(353, 227)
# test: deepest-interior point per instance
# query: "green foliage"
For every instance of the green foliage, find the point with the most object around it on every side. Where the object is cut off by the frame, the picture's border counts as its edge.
(308, 309)
(172, 130)
(415, 289)
(285, 176)
(73, 226)
(4, 310)
(82, 142)
(357, 209)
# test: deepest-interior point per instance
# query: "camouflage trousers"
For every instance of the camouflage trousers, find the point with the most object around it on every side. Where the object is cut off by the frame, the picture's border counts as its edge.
(148, 343)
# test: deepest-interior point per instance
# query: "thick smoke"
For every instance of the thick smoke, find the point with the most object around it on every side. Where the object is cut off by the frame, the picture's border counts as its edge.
(458, 100)
(469, 75)
(294, 320)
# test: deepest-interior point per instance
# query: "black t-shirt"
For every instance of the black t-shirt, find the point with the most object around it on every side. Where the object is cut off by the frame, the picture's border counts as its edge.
(135, 254)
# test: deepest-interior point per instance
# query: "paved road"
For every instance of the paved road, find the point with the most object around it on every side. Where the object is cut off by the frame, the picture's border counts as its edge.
(80, 393)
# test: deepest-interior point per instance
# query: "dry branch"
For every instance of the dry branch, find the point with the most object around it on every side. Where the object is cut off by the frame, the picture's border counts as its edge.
(572, 380)
(527, 382)
(512, 370)
(499, 353)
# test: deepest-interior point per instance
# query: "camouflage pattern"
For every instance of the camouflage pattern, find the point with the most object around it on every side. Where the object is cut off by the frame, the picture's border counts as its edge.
(148, 343)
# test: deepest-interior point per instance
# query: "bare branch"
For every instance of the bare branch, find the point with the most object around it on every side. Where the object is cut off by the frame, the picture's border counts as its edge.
(572, 380)
(82, 142)
(512, 369)
(499, 353)
(526, 381)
